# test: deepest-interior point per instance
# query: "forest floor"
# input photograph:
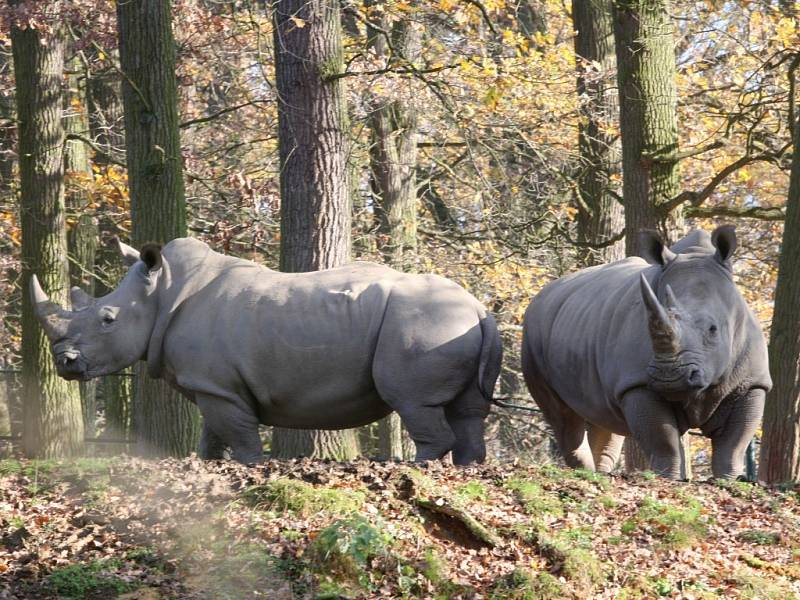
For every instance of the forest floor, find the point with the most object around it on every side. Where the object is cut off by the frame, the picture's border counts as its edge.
(187, 529)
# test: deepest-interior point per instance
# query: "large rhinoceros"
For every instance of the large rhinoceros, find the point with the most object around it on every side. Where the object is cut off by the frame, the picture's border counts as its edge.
(649, 348)
(325, 350)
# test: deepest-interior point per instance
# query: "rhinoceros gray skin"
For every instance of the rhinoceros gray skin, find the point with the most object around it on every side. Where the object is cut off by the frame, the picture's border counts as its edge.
(649, 348)
(325, 350)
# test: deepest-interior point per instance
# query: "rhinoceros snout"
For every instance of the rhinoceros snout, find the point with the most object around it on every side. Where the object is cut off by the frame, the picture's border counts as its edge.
(69, 365)
(684, 378)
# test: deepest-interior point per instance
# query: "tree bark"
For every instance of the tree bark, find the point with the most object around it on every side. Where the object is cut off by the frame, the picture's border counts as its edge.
(106, 117)
(313, 147)
(648, 119)
(600, 215)
(393, 166)
(7, 128)
(780, 445)
(649, 131)
(53, 424)
(166, 423)
(82, 239)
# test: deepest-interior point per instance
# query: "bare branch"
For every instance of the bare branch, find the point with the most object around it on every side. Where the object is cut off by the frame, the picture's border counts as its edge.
(763, 214)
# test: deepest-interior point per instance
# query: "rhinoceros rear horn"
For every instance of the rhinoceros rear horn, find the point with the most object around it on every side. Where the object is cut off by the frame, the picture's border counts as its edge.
(79, 299)
(151, 256)
(129, 255)
(52, 317)
(662, 333)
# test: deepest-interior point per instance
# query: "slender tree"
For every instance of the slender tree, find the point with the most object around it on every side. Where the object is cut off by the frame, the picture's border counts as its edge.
(393, 164)
(166, 423)
(53, 424)
(646, 72)
(315, 199)
(82, 238)
(600, 215)
(780, 448)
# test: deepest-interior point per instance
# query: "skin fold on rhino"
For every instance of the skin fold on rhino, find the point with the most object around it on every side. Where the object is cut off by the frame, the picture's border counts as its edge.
(649, 346)
(324, 350)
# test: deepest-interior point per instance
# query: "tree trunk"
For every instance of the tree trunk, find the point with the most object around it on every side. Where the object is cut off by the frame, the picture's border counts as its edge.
(166, 423)
(107, 130)
(780, 446)
(313, 142)
(393, 164)
(7, 127)
(600, 215)
(648, 119)
(106, 119)
(53, 424)
(82, 239)
(648, 123)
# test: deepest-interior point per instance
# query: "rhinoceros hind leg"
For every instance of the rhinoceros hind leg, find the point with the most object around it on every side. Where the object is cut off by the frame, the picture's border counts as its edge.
(569, 428)
(606, 448)
(466, 415)
(430, 431)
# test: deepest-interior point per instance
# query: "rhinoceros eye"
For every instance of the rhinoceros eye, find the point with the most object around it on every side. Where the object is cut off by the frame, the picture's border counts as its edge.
(108, 317)
(712, 329)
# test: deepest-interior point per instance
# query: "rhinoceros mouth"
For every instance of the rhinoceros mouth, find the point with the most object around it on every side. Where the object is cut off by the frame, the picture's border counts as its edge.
(676, 379)
(70, 365)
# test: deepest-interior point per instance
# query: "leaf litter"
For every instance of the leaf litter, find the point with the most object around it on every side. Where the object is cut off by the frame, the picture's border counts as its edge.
(190, 529)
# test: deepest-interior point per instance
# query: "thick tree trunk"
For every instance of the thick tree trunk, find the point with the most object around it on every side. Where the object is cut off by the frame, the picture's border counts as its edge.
(600, 215)
(648, 123)
(166, 423)
(648, 119)
(82, 239)
(313, 141)
(780, 447)
(53, 424)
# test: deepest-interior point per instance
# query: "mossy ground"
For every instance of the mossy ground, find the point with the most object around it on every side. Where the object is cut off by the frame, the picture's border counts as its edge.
(306, 529)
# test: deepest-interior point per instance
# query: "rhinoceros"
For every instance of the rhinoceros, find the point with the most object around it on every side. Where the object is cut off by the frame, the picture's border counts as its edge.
(649, 346)
(324, 350)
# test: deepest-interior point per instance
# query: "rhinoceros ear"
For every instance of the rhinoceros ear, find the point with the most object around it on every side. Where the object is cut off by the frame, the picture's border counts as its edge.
(129, 255)
(151, 256)
(724, 240)
(653, 249)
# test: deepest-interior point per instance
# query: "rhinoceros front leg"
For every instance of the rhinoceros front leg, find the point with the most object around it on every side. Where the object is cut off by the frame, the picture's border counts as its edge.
(211, 445)
(731, 428)
(231, 422)
(653, 424)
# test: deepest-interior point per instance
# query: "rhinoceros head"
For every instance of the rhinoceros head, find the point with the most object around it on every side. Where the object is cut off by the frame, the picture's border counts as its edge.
(105, 335)
(693, 314)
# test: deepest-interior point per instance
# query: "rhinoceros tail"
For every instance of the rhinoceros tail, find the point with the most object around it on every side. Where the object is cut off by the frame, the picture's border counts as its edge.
(491, 357)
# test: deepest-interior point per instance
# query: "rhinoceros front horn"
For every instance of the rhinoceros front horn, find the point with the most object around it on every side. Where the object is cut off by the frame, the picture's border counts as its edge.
(53, 318)
(662, 333)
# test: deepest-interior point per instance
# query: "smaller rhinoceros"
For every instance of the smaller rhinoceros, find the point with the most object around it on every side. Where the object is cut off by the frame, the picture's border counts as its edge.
(649, 348)
(325, 350)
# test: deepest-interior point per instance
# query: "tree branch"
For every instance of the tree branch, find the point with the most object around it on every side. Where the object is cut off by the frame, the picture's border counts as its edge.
(106, 156)
(219, 113)
(672, 157)
(696, 198)
(773, 213)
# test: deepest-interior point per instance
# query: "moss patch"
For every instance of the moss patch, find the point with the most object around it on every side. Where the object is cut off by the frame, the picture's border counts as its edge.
(290, 495)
